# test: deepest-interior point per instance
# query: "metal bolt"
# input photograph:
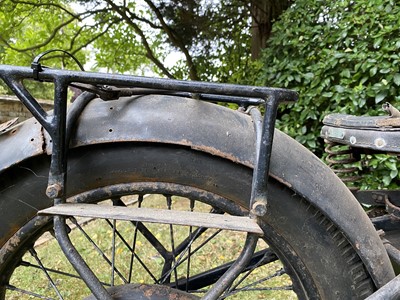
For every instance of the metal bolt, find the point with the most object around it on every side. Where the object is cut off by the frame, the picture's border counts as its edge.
(380, 143)
(53, 190)
(259, 208)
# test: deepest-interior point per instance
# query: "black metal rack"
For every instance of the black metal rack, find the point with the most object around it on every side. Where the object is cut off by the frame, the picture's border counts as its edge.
(112, 86)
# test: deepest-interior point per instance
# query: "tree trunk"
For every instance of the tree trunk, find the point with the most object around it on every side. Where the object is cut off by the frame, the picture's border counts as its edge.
(264, 13)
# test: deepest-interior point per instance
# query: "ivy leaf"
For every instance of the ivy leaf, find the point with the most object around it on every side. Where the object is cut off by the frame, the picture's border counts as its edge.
(386, 180)
(309, 75)
(384, 71)
(339, 88)
(393, 173)
(378, 42)
(311, 143)
(380, 96)
(391, 165)
(373, 71)
(345, 73)
(396, 79)
(327, 94)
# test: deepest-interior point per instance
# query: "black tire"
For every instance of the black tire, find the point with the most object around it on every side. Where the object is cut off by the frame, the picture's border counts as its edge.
(315, 254)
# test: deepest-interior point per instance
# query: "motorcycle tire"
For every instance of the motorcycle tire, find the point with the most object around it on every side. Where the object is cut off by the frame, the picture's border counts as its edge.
(316, 257)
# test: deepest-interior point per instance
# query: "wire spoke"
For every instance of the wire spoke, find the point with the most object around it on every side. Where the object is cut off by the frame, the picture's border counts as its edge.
(182, 258)
(35, 256)
(102, 254)
(184, 247)
(268, 257)
(30, 265)
(190, 239)
(192, 204)
(135, 235)
(134, 254)
(150, 237)
(250, 287)
(25, 292)
(172, 258)
(113, 253)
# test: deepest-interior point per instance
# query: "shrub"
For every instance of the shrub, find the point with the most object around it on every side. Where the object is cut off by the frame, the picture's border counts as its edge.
(341, 56)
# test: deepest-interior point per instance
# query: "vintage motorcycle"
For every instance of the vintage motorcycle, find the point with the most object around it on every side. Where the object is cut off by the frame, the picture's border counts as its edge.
(152, 191)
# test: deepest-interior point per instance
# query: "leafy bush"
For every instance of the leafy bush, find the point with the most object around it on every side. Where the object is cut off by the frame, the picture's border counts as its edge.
(341, 56)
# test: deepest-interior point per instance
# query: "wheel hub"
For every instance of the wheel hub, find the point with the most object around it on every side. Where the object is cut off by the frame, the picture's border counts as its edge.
(146, 292)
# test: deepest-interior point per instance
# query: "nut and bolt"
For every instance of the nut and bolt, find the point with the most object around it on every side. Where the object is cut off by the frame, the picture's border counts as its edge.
(54, 190)
(259, 208)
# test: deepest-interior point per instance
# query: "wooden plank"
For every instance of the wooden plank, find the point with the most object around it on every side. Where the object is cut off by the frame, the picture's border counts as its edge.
(152, 215)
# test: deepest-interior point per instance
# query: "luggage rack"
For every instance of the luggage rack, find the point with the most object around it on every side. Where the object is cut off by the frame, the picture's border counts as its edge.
(111, 86)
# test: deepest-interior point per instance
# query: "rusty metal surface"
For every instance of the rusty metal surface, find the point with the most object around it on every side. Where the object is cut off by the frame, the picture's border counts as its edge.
(21, 142)
(377, 197)
(362, 122)
(220, 131)
(167, 119)
(392, 209)
(6, 125)
(368, 139)
(146, 292)
(388, 122)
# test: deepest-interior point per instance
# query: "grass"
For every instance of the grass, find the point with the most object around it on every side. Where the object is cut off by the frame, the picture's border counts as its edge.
(220, 250)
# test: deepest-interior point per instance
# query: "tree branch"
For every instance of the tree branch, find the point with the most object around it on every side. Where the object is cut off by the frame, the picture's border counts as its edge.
(92, 39)
(149, 53)
(44, 43)
(151, 24)
(175, 40)
(36, 4)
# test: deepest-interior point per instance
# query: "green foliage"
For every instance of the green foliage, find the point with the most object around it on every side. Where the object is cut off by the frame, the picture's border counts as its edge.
(384, 169)
(211, 39)
(341, 56)
(27, 30)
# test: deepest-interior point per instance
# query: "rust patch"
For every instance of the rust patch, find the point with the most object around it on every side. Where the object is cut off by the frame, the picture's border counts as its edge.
(17, 238)
(388, 122)
(9, 246)
(281, 180)
(147, 291)
(217, 152)
(8, 124)
(25, 140)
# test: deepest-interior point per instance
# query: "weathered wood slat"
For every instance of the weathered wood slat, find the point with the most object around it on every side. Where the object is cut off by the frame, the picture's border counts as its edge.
(152, 215)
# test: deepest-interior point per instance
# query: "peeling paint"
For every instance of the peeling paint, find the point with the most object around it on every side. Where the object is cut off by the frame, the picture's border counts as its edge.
(23, 141)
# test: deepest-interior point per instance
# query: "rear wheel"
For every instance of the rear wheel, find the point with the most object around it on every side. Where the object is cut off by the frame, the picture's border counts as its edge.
(303, 255)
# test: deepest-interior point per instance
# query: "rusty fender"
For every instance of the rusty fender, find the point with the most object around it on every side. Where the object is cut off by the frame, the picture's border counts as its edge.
(219, 131)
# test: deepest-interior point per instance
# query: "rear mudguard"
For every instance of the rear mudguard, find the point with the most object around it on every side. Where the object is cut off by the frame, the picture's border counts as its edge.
(219, 131)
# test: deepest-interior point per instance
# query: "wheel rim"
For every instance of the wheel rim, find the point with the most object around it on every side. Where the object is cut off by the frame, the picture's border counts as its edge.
(174, 256)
